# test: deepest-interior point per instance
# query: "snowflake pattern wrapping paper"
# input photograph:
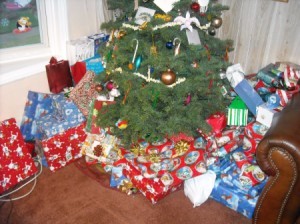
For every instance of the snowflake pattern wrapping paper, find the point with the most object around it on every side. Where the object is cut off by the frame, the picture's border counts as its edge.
(16, 163)
(64, 148)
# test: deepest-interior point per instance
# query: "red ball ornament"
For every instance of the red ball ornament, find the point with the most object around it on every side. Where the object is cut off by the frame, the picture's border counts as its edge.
(195, 7)
(110, 85)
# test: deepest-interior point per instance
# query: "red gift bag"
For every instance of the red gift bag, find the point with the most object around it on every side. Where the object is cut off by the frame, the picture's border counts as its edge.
(59, 75)
(78, 71)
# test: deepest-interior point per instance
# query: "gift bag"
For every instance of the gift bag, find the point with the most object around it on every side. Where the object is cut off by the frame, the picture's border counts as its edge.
(58, 75)
(78, 71)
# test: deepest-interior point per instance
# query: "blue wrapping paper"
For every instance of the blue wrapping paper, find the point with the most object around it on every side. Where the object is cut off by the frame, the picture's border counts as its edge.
(232, 198)
(248, 95)
(94, 64)
(37, 106)
(229, 191)
(65, 116)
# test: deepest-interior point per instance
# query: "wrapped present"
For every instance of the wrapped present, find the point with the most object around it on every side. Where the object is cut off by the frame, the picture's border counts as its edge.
(65, 116)
(230, 197)
(78, 70)
(270, 75)
(16, 163)
(237, 113)
(64, 148)
(235, 75)
(156, 175)
(37, 105)
(99, 38)
(255, 130)
(117, 176)
(249, 146)
(94, 64)
(84, 92)
(217, 121)
(265, 115)
(80, 49)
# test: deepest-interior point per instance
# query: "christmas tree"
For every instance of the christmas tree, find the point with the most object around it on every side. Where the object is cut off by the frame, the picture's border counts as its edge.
(167, 65)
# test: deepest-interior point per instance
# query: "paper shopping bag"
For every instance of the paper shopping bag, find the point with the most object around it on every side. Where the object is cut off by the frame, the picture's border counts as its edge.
(58, 75)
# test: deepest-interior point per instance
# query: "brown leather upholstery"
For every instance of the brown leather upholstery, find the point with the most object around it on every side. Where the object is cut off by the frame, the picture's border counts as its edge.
(278, 155)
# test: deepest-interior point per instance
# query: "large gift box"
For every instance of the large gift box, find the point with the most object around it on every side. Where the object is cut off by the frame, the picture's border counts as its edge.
(230, 190)
(37, 105)
(64, 148)
(16, 163)
(157, 172)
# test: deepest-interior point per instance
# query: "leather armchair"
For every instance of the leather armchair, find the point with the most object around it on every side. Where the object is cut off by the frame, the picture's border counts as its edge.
(278, 155)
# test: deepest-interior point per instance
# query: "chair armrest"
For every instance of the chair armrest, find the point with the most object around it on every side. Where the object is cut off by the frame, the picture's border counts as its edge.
(278, 155)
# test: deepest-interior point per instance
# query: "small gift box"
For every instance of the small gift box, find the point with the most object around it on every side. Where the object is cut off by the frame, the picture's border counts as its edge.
(98, 39)
(16, 163)
(64, 148)
(237, 113)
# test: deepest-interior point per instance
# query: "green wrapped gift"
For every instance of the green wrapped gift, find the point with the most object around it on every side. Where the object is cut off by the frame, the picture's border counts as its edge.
(237, 112)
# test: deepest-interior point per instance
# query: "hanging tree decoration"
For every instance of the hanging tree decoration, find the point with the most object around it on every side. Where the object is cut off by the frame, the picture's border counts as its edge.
(177, 45)
(130, 66)
(153, 48)
(186, 22)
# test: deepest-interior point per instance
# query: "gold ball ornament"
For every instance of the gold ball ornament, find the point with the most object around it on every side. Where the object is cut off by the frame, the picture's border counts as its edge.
(168, 77)
(216, 22)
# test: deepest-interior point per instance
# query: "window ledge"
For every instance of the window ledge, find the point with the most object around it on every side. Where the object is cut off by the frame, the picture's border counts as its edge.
(13, 71)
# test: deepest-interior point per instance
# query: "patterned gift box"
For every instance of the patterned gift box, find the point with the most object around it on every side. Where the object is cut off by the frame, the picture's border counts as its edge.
(242, 203)
(67, 115)
(229, 191)
(84, 92)
(37, 105)
(255, 130)
(156, 175)
(237, 113)
(66, 109)
(64, 148)
(16, 163)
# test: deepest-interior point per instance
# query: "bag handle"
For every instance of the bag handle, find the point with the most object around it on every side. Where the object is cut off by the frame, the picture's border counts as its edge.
(53, 60)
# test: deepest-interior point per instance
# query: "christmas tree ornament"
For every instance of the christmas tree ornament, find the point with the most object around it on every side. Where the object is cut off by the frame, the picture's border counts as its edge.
(130, 66)
(127, 92)
(195, 64)
(99, 87)
(168, 77)
(153, 48)
(211, 31)
(186, 21)
(169, 44)
(188, 99)
(203, 6)
(110, 85)
(120, 34)
(195, 6)
(207, 52)
(216, 22)
(122, 124)
(138, 62)
(176, 43)
(226, 56)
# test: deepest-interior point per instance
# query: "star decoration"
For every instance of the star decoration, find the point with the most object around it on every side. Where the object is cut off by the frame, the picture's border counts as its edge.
(186, 21)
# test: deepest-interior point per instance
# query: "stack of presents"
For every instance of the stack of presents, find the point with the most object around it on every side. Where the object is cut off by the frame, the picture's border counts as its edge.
(61, 128)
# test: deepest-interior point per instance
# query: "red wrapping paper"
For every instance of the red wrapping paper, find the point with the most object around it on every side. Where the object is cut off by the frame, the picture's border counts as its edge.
(64, 148)
(16, 163)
